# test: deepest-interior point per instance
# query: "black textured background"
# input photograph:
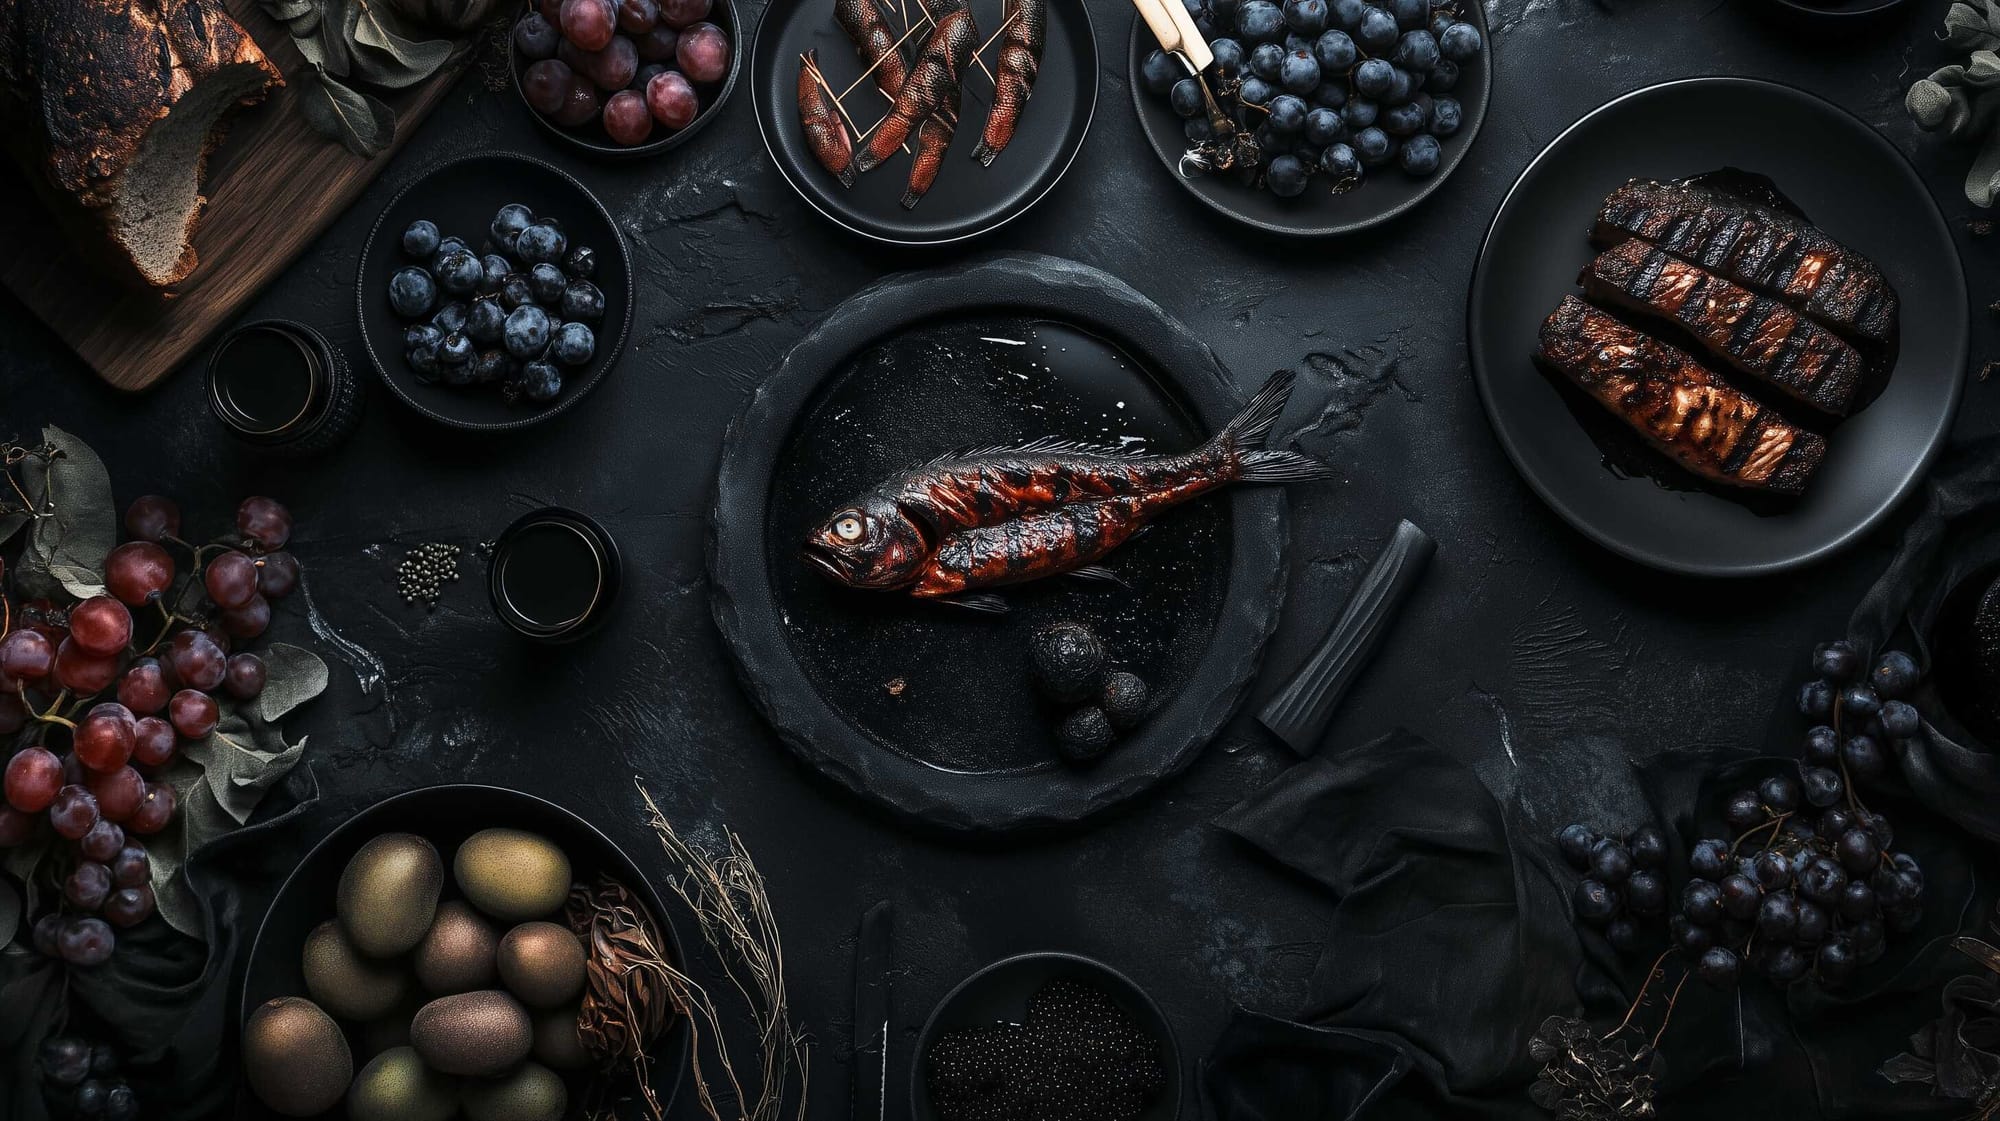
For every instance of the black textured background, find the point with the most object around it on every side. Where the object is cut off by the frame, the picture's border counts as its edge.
(1528, 652)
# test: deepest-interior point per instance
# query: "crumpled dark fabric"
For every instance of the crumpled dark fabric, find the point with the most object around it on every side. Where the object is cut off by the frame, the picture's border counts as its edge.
(164, 1000)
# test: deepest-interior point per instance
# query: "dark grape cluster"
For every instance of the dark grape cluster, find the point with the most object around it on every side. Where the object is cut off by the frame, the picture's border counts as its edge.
(126, 691)
(626, 66)
(1624, 880)
(81, 1079)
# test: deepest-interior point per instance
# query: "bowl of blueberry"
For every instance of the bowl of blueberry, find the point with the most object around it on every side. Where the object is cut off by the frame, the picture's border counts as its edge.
(1334, 115)
(619, 78)
(494, 292)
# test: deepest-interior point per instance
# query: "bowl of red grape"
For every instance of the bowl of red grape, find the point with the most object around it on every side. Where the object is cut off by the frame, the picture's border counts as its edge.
(623, 78)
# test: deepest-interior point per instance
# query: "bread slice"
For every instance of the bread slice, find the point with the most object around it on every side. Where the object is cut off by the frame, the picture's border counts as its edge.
(118, 105)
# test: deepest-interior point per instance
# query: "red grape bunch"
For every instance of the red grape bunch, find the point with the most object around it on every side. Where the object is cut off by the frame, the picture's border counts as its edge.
(627, 64)
(125, 678)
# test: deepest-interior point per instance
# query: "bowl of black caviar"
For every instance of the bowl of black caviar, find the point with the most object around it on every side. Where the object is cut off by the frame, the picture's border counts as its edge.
(1058, 1034)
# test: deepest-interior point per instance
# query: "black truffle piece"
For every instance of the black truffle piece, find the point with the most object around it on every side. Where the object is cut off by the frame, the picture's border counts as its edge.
(1067, 659)
(1124, 699)
(1085, 735)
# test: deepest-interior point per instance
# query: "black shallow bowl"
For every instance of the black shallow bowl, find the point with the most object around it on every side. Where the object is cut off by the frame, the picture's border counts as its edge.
(929, 709)
(1853, 184)
(966, 200)
(999, 994)
(445, 815)
(591, 138)
(1836, 16)
(1384, 192)
(461, 196)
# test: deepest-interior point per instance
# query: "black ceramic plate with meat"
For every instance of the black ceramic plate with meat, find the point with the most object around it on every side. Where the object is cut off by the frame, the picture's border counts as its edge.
(928, 708)
(461, 197)
(966, 200)
(1848, 181)
(1384, 194)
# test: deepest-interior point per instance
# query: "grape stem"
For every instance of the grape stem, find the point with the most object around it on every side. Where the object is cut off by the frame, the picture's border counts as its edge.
(1672, 998)
(1652, 974)
(1771, 825)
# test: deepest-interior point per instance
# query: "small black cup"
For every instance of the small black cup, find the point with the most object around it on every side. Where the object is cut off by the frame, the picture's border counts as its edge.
(553, 575)
(278, 385)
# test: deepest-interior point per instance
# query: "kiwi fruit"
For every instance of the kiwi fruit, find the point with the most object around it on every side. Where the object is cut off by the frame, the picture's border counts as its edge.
(512, 875)
(481, 1034)
(557, 1043)
(397, 1086)
(388, 894)
(294, 1057)
(542, 964)
(456, 955)
(346, 984)
(531, 1093)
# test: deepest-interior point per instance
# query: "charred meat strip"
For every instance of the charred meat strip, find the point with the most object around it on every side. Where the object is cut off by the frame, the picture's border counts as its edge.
(868, 29)
(1014, 75)
(933, 84)
(1687, 412)
(825, 134)
(1756, 334)
(1772, 251)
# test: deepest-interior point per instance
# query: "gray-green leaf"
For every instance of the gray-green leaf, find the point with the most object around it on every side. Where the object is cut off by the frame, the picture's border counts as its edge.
(32, 473)
(387, 57)
(362, 123)
(82, 527)
(335, 31)
(292, 676)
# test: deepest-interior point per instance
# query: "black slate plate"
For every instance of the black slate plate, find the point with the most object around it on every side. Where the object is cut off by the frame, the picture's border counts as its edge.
(461, 197)
(1384, 194)
(445, 815)
(1849, 181)
(999, 994)
(966, 200)
(928, 709)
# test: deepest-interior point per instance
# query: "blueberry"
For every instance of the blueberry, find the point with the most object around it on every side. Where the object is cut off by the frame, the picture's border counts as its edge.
(1186, 98)
(1340, 162)
(1373, 146)
(423, 360)
(1442, 77)
(1267, 60)
(1460, 43)
(1198, 130)
(1900, 719)
(582, 301)
(419, 335)
(1255, 91)
(507, 222)
(539, 243)
(459, 272)
(1324, 127)
(1288, 113)
(1273, 141)
(540, 381)
(1335, 52)
(1402, 87)
(1377, 32)
(1816, 699)
(1441, 19)
(448, 245)
(1359, 113)
(1860, 702)
(451, 317)
(527, 332)
(1406, 119)
(1373, 78)
(514, 291)
(1286, 176)
(580, 262)
(1330, 95)
(1445, 117)
(1306, 17)
(412, 292)
(485, 320)
(1260, 21)
(1300, 72)
(1895, 674)
(1346, 14)
(493, 269)
(547, 283)
(491, 366)
(456, 349)
(1417, 51)
(1836, 660)
(1293, 41)
(420, 238)
(1223, 11)
(1410, 13)
(573, 344)
(1228, 56)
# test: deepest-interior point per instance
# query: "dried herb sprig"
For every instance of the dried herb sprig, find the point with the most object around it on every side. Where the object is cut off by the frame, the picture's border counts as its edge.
(726, 893)
(1958, 1054)
(1587, 1076)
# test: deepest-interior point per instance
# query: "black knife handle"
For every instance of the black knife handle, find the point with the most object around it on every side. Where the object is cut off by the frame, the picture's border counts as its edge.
(1300, 712)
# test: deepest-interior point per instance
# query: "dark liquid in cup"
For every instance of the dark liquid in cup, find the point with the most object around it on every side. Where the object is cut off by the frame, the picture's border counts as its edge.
(263, 380)
(551, 574)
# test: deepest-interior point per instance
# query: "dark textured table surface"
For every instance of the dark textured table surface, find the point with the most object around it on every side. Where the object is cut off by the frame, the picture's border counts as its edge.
(1528, 652)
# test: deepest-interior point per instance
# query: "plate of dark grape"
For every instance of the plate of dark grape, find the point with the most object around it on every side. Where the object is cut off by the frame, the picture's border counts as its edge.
(624, 78)
(1340, 114)
(923, 122)
(494, 292)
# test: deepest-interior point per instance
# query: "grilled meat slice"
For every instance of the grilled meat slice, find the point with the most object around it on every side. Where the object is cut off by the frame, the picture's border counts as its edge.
(1756, 334)
(1770, 250)
(1708, 427)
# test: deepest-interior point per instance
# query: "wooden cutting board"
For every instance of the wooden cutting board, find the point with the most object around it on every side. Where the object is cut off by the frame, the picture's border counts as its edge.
(272, 186)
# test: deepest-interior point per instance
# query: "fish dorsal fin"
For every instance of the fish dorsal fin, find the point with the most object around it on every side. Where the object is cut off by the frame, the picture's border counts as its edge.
(1040, 445)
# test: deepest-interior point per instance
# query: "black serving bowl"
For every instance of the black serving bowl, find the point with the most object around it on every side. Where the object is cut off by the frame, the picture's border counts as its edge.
(444, 815)
(998, 994)
(1834, 17)
(591, 138)
(461, 196)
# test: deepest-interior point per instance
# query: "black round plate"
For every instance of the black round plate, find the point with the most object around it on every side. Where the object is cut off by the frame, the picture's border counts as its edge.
(927, 708)
(591, 139)
(966, 200)
(1383, 194)
(999, 994)
(1836, 15)
(461, 197)
(444, 815)
(1853, 184)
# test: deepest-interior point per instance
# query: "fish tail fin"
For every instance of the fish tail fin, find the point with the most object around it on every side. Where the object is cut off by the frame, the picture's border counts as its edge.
(1244, 438)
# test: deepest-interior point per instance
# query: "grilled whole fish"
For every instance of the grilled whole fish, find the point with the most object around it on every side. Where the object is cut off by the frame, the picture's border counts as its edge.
(1687, 412)
(825, 134)
(868, 28)
(933, 84)
(1755, 334)
(1013, 75)
(988, 517)
(1756, 245)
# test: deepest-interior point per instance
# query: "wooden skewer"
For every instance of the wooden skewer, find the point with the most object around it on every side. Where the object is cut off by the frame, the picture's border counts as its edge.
(980, 62)
(819, 77)
(896, 46)
(991, 39)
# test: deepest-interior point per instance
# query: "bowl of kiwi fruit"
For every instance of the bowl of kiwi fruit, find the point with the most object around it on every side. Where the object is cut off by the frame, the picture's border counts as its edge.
(418, 965)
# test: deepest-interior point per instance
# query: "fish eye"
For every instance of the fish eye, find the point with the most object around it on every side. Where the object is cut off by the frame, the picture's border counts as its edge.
(847, 528)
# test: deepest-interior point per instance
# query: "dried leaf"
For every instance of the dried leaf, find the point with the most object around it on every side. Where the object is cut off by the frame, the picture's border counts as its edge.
(384, 55)
(335, 31)
(360, 122)
(293, 676)
(67, 548)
